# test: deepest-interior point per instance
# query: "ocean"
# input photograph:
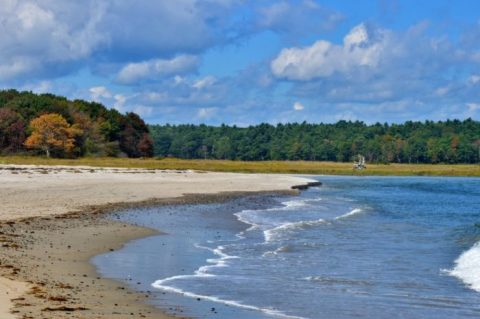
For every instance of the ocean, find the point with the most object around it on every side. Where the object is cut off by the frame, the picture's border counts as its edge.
(355, 247)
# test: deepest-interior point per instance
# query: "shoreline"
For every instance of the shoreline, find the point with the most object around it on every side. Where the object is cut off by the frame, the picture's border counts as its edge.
(48, 257)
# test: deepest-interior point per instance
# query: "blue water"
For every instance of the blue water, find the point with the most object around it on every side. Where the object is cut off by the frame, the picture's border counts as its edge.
(356, 247)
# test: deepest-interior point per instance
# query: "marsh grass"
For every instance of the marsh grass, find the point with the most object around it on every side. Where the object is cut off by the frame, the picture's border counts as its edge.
(294, 167)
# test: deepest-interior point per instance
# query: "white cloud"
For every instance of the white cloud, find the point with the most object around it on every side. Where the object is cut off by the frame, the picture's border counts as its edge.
(297, 106)
(143, 111)
(157, 68)
(97, 93)
(204, 82)
(177, 79)
(38, 87)
(441, 91)
(119, 103)
(361, 48)
(48, 38)
(40, 34)
(474, 79)
(473, 107)
(206, 112)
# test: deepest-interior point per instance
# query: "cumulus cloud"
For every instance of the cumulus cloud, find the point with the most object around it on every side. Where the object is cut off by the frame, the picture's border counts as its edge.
(376, 65)
(361, 48)
(153, 69)
(474, 79)
(205, 82)
(97, 93)
(49, 38)
(297, 106)
(40, 87)
(119, 102)
(39, 37)
(206, 112)
(376, 74)
(143, 111)
(473, 107)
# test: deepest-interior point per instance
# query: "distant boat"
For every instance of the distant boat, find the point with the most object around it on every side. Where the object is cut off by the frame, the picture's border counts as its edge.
(360, 164)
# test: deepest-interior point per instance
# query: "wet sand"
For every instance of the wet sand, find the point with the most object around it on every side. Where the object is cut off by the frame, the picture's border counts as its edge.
(52, 222)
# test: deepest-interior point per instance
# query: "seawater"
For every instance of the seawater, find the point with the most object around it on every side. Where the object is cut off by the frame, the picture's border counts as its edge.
(356, 247)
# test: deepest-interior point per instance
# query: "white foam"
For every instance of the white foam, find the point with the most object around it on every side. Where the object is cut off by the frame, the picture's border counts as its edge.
(292, 204)
(244, 215)
(202, 272)
(467, 267)
(279, 250)
(217, 262)
(351, 213)
(274, 233)
(252, 217)
(160, 284)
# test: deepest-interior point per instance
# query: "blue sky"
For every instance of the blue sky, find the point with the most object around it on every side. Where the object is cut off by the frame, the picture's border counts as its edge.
(245, 62)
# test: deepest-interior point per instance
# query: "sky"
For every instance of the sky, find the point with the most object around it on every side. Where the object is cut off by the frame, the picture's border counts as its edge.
(247, 62)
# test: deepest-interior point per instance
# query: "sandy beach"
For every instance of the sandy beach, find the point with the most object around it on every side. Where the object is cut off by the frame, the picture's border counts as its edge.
(51, 224)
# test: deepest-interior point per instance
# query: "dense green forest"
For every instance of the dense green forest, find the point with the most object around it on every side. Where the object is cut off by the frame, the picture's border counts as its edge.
(67, 128)
(53, 125)
(450, 141)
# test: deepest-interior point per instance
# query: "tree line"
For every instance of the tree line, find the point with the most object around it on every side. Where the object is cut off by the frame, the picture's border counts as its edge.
(55, 126)
(451, 141)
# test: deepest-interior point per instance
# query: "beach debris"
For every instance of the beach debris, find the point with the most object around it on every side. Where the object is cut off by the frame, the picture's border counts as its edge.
(58, 298)
(307, 185)
(65, 308)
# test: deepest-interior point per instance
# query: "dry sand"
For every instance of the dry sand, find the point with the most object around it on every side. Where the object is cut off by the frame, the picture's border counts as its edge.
(51, 224)
(27, 191)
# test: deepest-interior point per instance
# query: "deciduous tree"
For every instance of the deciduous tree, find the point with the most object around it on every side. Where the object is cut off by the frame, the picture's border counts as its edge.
(12, 130)
(51, 132)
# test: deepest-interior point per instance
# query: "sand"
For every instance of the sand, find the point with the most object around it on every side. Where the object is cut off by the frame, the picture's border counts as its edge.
(28, 191)
(9, 289)
(52, 223)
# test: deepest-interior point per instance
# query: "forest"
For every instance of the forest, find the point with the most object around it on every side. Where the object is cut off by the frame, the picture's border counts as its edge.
(451, 141)
(45, 124)
(53, 126)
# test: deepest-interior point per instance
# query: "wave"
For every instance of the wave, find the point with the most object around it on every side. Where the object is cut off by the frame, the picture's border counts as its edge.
(202, 272)
(298, 203)
(252, 217)
(217, 262)
(160, 284)
(279, 250)
(349, 214)
(274, 233)
(467, 267)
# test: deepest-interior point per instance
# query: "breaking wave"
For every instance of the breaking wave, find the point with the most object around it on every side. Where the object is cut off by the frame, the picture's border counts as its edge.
(276, 233)
(351, 213)
(467, 267)
(203, 272)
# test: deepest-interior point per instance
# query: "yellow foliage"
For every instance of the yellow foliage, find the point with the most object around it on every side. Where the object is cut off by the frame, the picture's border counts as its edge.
(52, 132)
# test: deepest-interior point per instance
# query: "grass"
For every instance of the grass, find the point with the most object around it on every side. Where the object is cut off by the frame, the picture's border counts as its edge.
(296, 167)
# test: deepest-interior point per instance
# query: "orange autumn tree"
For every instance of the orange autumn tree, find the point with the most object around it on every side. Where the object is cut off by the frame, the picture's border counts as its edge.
(51, 132)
